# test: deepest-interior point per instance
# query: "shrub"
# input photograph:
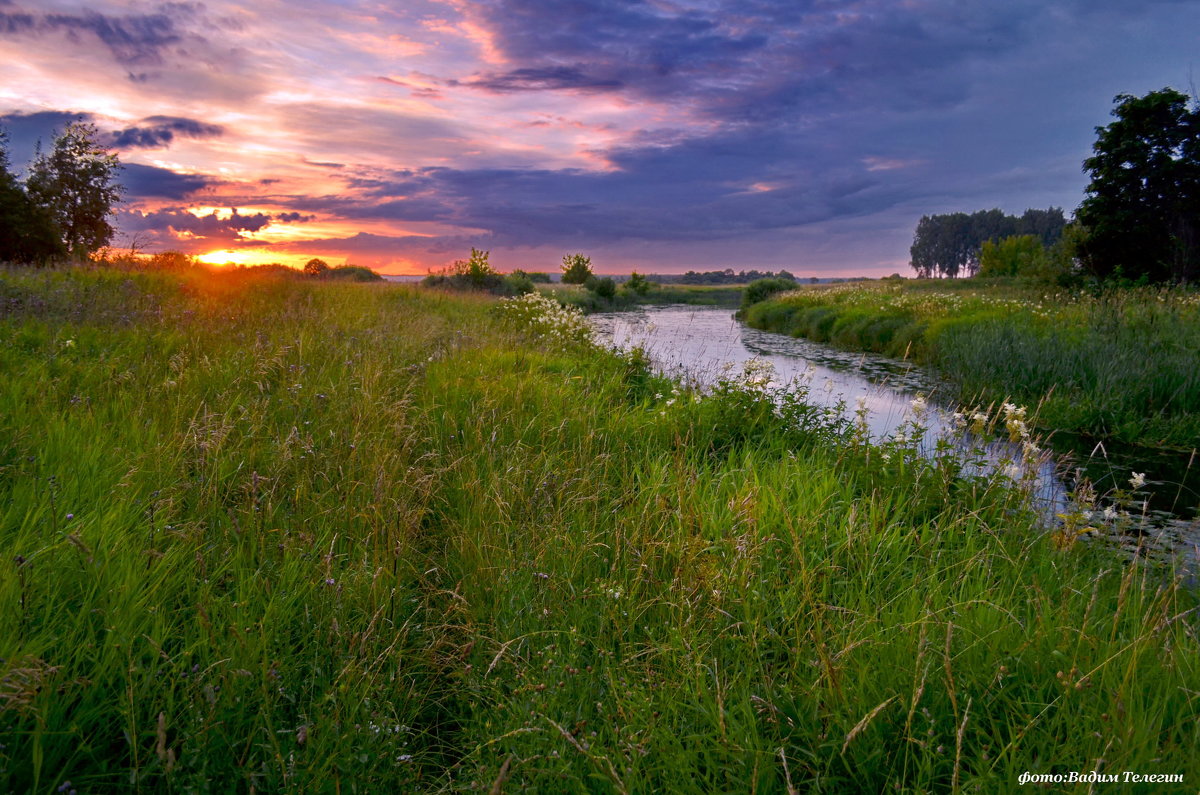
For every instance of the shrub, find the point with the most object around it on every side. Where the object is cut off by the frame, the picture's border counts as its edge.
(761, 289)
(605, 288)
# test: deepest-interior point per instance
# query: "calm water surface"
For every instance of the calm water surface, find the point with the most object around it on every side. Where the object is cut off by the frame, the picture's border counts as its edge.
(700, 344)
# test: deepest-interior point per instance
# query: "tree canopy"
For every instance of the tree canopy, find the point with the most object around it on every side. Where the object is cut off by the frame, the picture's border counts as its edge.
(1142, 210)
(75, 184)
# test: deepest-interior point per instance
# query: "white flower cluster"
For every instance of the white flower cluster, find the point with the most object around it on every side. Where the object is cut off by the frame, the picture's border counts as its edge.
(1014, 421)
(548, 318)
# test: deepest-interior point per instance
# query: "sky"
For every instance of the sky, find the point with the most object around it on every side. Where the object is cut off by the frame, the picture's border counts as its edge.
(655, 135)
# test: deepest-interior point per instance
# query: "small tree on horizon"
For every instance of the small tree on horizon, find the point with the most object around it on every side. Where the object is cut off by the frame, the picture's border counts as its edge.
(316, 267)
(576, 269)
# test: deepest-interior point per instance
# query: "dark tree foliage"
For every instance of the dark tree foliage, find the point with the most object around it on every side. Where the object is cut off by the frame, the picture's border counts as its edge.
(1142, 209)
(949, 245)
(27, 233)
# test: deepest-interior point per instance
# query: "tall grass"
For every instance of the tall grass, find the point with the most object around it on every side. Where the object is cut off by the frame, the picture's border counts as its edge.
(1123, 364)
(360, 538)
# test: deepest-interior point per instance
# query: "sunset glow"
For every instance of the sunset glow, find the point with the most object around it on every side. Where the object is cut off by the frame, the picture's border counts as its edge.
(655, 136)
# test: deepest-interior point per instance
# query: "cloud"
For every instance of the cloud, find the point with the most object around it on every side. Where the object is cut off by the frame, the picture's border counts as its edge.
(132, 39)
(550, 78)
(157, 132)
(151, 182)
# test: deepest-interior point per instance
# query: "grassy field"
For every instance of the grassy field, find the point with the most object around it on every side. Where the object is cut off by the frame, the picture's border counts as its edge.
(262, 535)
(1123, 364)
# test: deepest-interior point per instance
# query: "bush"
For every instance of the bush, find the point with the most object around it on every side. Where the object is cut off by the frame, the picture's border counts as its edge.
(352, 273)
(637, 284)
(761, 289)
(605, 288)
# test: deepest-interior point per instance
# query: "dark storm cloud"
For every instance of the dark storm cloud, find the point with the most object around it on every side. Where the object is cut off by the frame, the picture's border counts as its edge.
(152, 182)
(157, 132)
(132, 39)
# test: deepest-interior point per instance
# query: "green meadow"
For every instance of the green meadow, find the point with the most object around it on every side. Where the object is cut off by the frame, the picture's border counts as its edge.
(1118, 364)
(271, 535)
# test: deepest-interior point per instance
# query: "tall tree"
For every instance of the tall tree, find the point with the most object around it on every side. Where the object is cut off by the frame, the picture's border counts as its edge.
(1142, 209)
(76, 184)
(27, 233)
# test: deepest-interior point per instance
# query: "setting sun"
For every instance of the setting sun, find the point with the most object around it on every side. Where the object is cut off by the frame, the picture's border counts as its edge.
(249, 257)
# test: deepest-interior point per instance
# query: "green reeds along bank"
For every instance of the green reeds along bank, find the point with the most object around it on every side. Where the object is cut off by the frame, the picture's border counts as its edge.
(364, 538)
(1122, 365)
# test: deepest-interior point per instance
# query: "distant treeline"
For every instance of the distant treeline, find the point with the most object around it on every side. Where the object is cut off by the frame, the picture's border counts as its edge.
(727, 276)
(949, 245)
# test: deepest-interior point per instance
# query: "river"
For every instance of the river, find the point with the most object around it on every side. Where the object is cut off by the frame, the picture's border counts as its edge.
(700, 344)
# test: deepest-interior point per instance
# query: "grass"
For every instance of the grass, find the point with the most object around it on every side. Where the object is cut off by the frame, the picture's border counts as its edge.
(1123, 364)
(699, 295)
(284, 536)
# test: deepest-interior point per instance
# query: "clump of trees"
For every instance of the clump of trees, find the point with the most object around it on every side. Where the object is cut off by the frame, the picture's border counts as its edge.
(950, 245)
(64, 206)
(1139, 220)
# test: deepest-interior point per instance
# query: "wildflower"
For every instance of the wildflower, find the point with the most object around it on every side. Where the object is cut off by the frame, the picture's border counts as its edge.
(1109, 513)
(1138, 480)
(1012, 472)
(861, 402)
(918, 404)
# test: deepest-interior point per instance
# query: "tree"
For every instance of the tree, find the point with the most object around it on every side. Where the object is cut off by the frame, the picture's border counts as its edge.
(1141, 215)
(316, 267)
(76, 185)
(27, 233)
(576, 269)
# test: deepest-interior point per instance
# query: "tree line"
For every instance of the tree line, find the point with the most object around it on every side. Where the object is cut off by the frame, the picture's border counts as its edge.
(1139, 219)
(950, 245)
(63, 206)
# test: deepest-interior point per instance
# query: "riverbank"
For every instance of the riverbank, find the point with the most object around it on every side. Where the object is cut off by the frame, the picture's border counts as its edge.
(1123, 365)
(657, 295)
(298, 536)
